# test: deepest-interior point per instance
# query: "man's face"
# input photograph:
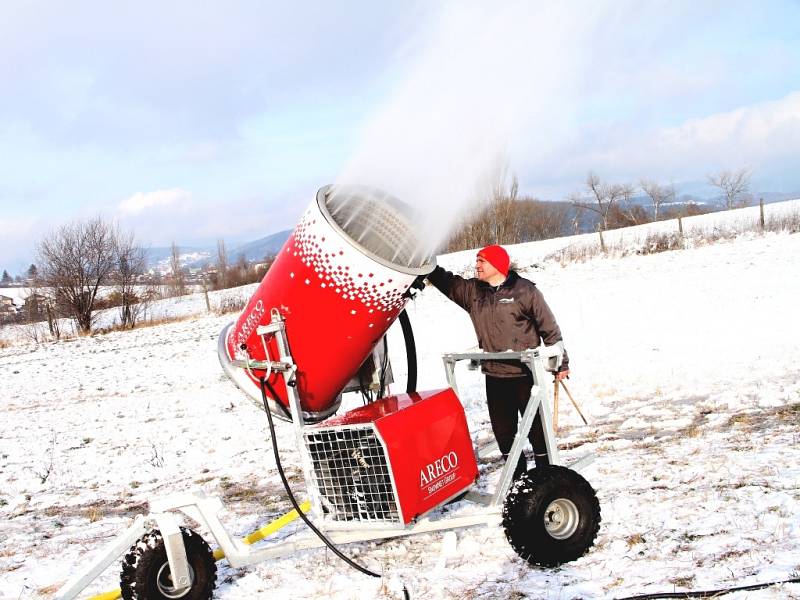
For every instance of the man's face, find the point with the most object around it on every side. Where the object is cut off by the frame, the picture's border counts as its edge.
(484, 269)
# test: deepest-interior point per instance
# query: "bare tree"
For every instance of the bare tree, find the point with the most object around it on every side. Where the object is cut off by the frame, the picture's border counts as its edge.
(734, 186)
(658, 194)
(541, 220)
(627, 214)
(501, 212)
(130, 266)
(74, 261)
(222, 265)
(177, 283)
(603, 196)
(241, 270)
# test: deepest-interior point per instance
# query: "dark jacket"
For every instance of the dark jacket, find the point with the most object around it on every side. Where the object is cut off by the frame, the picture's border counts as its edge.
(511, 316)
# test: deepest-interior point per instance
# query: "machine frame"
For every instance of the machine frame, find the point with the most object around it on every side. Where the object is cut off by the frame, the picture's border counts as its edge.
(166, 513)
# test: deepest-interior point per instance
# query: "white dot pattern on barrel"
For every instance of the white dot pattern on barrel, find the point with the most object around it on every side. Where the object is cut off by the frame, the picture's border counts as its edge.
(345, 270)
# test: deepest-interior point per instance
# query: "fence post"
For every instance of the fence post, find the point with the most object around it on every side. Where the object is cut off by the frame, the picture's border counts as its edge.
(205, 293)
(680, 226)
(761, 211)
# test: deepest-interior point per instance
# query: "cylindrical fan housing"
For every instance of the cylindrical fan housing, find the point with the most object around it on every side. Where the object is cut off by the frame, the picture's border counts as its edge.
(339, 282)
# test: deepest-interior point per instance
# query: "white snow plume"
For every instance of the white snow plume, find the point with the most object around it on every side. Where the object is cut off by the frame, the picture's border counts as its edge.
(484, 72)
(143, 201)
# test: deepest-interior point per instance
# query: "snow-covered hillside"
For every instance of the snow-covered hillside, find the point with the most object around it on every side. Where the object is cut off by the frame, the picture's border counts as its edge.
(686, 362)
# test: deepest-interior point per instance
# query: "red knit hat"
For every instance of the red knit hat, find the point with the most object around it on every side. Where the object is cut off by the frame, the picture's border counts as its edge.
(497, 257)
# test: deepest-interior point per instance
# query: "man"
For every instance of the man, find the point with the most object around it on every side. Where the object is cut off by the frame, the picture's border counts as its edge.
(508, 313)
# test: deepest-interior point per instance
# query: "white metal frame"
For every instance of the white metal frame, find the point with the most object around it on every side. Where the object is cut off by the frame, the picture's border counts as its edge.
(205, 510)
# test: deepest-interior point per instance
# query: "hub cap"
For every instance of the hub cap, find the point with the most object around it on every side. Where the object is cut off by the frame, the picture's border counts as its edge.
(561, 518)
(167, 587)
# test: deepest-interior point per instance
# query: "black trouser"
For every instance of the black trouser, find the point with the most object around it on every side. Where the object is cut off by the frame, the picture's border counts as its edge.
(507, 398)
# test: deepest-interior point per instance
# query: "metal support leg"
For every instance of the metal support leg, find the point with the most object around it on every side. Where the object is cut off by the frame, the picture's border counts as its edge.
(176, 552)
(449, 369)
(544, 413)
(102, 561)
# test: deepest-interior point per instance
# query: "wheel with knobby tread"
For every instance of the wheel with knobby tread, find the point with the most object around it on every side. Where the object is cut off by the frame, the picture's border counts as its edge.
(146, 574)
(551, 516)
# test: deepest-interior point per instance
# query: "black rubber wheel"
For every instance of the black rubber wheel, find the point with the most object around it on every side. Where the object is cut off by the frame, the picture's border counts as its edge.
(145, 570)
(551, 516)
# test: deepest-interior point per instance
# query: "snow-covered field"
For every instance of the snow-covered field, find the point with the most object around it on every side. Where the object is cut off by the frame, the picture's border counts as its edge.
(686, 362)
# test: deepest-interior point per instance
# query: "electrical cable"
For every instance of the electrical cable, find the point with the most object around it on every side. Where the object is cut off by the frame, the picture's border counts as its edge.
(293, 500)
(411, 352)
(277, 402)
(384, 367)
(709, 593)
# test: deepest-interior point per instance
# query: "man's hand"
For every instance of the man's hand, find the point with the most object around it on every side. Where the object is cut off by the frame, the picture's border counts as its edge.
(562, 375)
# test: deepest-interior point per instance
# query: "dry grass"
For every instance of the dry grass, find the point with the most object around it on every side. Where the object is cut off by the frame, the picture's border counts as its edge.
(94, 514)
(740, 419)
(237, 492)
(693, 431)
(105, 330)
(145, 324)
(656, 242)
(685, 581)
(96, 510)
(789, 223)
(789, 413)
(661, 242)
(231, 304)
(49, 590)
(634, 539)
(730, 554)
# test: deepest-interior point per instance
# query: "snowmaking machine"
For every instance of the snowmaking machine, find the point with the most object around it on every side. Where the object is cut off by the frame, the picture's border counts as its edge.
(315, 328)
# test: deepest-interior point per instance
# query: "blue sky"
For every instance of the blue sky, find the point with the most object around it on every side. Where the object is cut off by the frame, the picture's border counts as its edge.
(190, 122)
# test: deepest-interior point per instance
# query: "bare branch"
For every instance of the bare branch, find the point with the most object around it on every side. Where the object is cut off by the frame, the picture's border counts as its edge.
(74, 261)
(734, 186)
(602, 197)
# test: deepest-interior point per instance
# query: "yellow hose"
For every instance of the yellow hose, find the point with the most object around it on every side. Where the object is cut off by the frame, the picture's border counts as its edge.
(108, 595)
(269, 529)
(251, 538)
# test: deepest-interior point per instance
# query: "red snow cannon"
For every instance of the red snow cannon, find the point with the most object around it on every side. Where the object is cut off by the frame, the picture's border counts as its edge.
(339, 282)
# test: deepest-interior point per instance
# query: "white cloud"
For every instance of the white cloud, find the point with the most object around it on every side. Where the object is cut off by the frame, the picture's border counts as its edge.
(763, 137)
(752, 133)
(755, 136)
(143, 201)
(16, 226)
(17, 236)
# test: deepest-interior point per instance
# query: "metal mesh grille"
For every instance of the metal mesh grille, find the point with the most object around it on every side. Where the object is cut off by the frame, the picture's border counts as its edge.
(378, 222)
(351, 473)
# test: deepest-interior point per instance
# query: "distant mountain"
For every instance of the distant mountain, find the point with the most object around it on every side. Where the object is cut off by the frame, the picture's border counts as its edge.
(258, 249)
(190, 256)
(770, 197)
(156, 255)
(200, 256)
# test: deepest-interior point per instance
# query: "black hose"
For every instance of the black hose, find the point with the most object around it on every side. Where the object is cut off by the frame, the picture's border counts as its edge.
(709, 593)
(293, 500)
(303, 516)
(285, 410)
(411, 352)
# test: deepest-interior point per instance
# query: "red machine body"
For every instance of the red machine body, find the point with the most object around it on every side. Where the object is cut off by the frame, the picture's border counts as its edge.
(427, 456)
(336, 286)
